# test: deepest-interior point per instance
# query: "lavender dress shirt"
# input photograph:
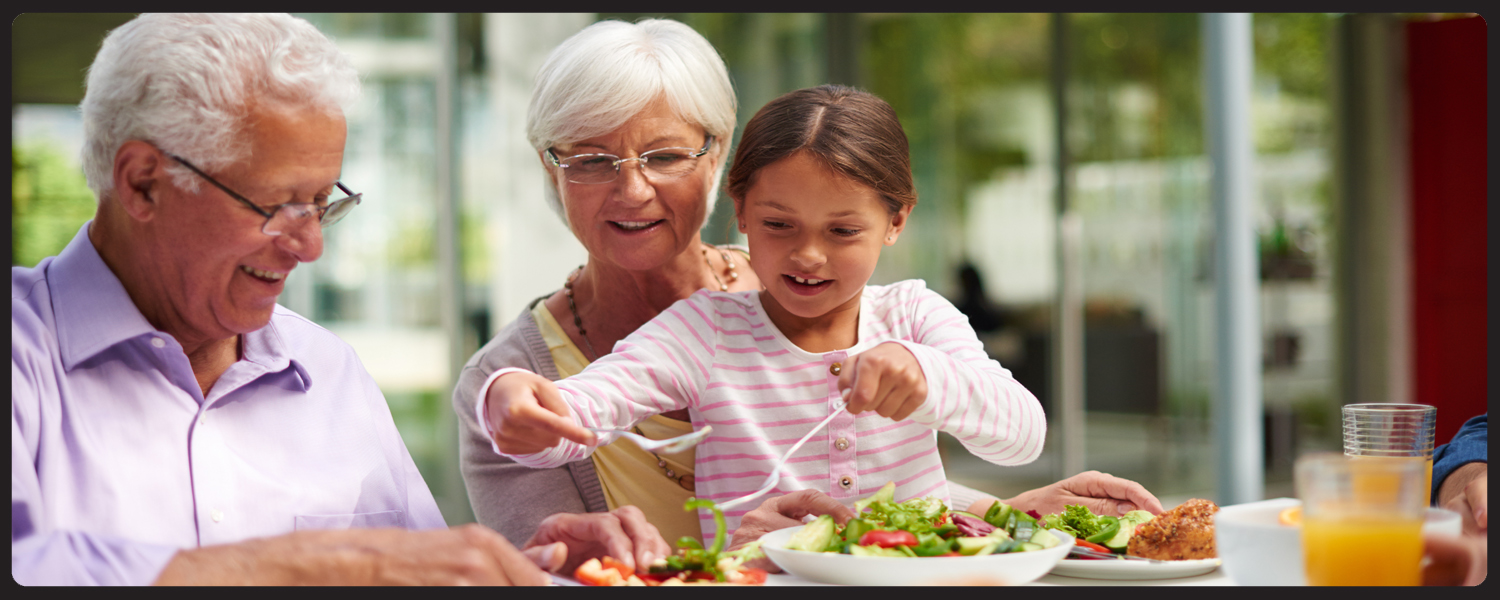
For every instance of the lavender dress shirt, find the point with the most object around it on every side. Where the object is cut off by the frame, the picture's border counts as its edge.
(117, 460)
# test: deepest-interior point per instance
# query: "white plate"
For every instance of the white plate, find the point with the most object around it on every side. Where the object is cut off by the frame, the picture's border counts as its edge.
(1013, 568)
(1130, 569)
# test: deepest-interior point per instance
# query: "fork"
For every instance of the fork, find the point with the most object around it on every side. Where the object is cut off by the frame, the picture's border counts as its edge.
(1080, 551)
(669, 445)
(775, 476)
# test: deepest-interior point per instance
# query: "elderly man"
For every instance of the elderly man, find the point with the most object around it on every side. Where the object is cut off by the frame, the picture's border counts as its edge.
(170, 423)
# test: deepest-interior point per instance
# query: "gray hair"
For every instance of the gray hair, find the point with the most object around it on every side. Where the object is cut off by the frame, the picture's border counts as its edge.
(606, 74)
(188, 82)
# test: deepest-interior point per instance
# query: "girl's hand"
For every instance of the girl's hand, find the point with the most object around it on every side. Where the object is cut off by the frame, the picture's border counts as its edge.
(886, 379)
(529, 416)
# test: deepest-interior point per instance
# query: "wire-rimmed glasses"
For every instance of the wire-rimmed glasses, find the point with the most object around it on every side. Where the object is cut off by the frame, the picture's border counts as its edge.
(662, 163)
(288, 216)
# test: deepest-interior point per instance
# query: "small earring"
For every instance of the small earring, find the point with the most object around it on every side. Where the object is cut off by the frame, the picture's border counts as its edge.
(887, 238)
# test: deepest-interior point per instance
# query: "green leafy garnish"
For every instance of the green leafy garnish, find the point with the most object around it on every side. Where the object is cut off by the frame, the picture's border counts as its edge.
(713, 560)
(1075, 519)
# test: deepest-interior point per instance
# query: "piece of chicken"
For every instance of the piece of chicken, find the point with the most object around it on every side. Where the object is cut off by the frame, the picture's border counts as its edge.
(1183, 533)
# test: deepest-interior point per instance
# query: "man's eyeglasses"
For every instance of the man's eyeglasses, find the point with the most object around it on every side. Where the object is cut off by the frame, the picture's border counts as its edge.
(662, 163)
(289, 216)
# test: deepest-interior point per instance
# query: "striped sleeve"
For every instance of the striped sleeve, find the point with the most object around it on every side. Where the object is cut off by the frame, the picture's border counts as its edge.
(969, 395)
(661, 367)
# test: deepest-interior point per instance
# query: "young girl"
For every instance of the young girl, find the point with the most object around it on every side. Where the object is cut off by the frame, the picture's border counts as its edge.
(821, 183)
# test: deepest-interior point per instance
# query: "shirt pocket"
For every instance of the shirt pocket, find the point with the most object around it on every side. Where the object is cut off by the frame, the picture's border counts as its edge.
(372, 520)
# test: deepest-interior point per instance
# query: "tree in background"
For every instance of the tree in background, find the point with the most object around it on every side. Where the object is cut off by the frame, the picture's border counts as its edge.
(49, 201)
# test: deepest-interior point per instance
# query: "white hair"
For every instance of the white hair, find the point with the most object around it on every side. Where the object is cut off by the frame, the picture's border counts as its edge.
(187, 83)
(610, 71)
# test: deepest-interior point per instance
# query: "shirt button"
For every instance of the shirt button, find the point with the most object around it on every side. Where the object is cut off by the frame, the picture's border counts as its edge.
(842, 444)
(158, 342)
(836, 368)
(217, 516)
(846, 482)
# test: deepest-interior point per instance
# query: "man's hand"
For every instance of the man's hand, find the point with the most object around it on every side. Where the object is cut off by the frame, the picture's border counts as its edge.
(528, 416)
(1102, 493)
(782, 512)
(1455, 560)
(465, 555)
(886, 379)
(1465, 492)
(565, 540)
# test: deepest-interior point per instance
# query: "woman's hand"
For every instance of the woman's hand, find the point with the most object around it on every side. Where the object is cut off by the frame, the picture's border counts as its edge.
(565, 540)
(886, 379)
(529, 416)
(1102, 493)
(782, 512)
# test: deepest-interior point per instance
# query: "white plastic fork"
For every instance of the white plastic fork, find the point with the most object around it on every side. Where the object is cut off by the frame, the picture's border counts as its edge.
(669, 445)
(775, 476)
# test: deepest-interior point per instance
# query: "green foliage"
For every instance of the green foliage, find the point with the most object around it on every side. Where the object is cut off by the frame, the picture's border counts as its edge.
(49, 201)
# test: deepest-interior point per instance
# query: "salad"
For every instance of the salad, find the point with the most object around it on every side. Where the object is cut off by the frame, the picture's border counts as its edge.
(693, 563)
(1103, 534)
(922, 527)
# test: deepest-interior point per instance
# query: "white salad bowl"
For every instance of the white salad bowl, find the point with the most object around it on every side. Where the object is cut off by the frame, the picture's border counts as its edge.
(1012, 568)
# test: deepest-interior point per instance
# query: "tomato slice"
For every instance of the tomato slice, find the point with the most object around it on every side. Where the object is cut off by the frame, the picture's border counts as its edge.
(888, 539)
(609, 562)
(655, 578)
(753, 576)
(1092, 546)
(592, 573)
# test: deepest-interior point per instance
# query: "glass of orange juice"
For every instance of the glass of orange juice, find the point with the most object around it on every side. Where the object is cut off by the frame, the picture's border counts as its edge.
(1361, 520)
(1391, 431)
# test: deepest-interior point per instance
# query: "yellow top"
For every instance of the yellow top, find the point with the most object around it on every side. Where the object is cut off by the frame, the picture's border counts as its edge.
(629, 475)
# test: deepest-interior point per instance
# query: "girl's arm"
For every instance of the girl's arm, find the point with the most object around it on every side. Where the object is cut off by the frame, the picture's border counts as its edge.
(969, 395)
(659, 368)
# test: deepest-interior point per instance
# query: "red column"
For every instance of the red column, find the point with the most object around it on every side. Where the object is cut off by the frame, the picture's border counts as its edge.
(1446, 81)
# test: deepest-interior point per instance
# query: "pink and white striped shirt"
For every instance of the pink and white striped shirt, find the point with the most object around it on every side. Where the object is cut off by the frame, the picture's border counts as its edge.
(718, 354)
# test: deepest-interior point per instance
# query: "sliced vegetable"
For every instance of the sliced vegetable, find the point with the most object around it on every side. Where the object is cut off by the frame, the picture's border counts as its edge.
(855, 528)
(1045, 538)
(608, 572)
(997, 513)
(1107, 530)
(888, 539)
(887, 493)
(816, 536)
(970, 525)
(1024, 530)
(1091, 546)
(609, 562)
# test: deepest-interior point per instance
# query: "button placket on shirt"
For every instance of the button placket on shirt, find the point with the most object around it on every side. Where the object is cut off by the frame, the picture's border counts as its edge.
(843, 476)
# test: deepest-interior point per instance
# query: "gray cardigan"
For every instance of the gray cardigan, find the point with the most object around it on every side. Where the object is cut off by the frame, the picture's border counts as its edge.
(511, 498)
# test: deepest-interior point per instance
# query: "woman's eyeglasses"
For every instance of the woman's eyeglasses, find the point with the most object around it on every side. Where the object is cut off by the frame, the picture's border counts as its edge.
(662, 163)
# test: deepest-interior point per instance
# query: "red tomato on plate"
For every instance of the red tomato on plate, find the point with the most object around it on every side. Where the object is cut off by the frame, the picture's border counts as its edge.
(888, 539)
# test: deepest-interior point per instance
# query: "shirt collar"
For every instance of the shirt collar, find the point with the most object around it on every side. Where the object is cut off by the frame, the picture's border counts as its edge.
(92, 309)
(94, 312)
(267, 348)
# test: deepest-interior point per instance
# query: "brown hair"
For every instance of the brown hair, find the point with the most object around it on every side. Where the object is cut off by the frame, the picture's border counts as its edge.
(853, 132)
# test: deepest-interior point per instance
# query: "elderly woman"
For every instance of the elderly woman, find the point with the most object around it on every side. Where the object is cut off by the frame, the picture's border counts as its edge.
(633, 124)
